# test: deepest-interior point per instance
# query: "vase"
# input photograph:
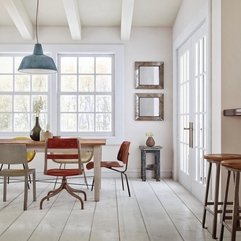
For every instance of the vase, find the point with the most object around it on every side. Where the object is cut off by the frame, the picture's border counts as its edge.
(150, 141)
(35, 132)
(44, 135)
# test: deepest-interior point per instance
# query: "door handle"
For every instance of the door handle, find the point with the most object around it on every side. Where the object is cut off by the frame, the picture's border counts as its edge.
(190, 129)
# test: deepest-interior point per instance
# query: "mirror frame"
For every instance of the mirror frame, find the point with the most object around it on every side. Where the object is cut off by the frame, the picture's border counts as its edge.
(160, 65)
(160, 117)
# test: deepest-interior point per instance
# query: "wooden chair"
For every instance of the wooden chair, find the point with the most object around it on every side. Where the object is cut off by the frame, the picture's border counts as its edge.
(13, 154)
(67, 149)
(233, 166)
(120, 165)
(30, 154)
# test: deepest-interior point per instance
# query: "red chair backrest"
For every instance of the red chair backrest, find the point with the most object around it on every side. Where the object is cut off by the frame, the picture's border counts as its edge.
(62, 144)
(123, 153)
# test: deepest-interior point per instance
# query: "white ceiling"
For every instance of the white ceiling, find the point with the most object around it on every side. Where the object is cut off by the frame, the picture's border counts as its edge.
(76, 14)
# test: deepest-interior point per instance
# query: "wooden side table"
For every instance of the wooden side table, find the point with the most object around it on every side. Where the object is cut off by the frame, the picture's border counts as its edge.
(156, 166)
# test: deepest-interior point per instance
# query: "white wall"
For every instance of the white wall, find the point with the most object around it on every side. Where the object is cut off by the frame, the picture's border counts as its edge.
(146, 44)
(231, 73)
(149, 44)
(189, 16)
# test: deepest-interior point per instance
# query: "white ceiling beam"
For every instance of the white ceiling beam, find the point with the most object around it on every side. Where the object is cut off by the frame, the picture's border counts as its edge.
(126, 18)
(19, 17)
(73, 18)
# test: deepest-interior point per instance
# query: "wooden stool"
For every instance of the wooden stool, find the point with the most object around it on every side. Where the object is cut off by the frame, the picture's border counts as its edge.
(214, 159)
(235, 167)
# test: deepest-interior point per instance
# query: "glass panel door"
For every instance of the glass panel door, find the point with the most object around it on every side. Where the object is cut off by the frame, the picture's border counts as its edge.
(193, 112)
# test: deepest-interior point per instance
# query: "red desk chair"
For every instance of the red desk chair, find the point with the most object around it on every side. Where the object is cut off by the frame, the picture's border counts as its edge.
(119, 166)
(64, 149)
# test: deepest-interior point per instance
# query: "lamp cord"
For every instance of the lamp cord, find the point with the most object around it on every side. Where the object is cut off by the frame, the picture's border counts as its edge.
(36, 21)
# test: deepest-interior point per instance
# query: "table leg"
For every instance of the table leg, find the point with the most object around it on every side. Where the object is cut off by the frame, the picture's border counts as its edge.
(143, 165)
(157, 159)
(97, 172)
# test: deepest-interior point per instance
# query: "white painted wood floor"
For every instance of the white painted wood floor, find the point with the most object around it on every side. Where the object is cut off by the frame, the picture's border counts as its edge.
(156, 211)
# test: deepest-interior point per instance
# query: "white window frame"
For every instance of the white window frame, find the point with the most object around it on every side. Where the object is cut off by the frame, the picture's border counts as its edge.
(93, 93)
(53, 50)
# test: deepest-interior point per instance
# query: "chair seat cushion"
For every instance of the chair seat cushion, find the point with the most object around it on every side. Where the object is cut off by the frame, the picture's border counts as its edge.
(16, 172)
(107, 164)
(63, 172)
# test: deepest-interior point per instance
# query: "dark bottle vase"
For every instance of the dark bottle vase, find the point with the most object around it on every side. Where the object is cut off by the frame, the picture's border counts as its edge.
(150, 141)
(35, 132)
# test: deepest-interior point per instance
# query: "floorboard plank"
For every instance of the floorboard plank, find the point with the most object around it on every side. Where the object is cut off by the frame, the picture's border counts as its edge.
(105, 222)
(157, 222)
(131, 222)
(184, 220)
(156, 211)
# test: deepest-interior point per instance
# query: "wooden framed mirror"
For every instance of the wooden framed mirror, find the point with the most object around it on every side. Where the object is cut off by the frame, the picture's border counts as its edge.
(149, 107)
(149, 75)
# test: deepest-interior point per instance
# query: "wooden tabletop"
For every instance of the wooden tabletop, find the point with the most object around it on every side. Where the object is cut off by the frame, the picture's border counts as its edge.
(41, 144)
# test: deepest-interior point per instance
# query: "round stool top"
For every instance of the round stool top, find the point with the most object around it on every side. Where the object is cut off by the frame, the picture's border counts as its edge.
(232, 164)
(221, 157)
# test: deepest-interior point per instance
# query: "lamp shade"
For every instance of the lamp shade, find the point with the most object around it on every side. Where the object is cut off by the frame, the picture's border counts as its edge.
(37, 63)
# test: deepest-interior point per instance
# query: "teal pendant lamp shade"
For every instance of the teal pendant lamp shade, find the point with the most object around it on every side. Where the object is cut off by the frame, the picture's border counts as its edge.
(37, 63)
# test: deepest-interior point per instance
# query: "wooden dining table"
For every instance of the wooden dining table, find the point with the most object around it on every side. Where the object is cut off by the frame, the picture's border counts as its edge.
(86, 143)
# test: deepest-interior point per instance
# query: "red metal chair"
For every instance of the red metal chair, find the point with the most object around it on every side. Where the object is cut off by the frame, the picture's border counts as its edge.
(119, 166)
(65, 149)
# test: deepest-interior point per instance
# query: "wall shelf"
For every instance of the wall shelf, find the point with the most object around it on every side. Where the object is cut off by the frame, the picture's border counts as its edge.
(232, 112)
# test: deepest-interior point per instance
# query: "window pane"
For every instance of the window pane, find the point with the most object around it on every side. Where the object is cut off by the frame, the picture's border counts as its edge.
(86, 83)
(44, 99)
(40, 83)
(6, 64)
(68, 65)
(86, 65)
(21, 103)
(103, 65)
(17, 107)
(68, 122)
(69, 83)
(103, 103)
(103, 83)
(21, 122)
(86, 122)
(103, 122)
(6, 83)
(68, 103)
(22, 83)
(5, 122)
(86, 103)
(5, 103)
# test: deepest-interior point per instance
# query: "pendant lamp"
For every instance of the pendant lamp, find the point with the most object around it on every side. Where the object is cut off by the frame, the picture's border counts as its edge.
(37, 63)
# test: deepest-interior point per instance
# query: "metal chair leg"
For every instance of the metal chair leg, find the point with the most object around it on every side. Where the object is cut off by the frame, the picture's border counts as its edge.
(224, 207)
(127, 183)
(122, 181)
(206, 195)
(215, 208)
(235, 208)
